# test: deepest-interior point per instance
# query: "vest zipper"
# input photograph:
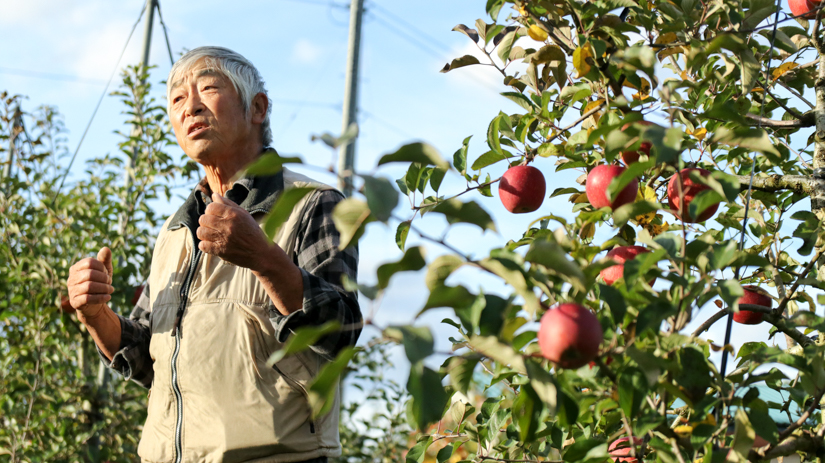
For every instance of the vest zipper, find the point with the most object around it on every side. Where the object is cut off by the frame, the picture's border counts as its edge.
(303, 391)
(177, 333)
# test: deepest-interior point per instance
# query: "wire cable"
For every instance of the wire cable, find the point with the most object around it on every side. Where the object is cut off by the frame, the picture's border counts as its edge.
(99, 101)
(165, 33)
(51, 75)
(729, 325)
(409, 25)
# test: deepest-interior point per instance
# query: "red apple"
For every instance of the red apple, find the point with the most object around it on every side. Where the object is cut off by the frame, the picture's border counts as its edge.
(596, 187)
(569, 335)
(804, 8)
(619, 450)
(136, 295)
(522, 189)
(753, 295)
(690, 190)
(629, 157)
(620, 254)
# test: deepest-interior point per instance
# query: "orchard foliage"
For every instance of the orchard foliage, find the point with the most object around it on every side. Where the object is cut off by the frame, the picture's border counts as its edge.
(56, 403)
(726, 86)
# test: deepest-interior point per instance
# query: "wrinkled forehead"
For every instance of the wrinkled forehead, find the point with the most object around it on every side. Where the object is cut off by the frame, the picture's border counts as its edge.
(197, 72)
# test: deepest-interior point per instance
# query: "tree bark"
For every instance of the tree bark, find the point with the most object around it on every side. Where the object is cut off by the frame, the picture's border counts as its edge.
(797, 183)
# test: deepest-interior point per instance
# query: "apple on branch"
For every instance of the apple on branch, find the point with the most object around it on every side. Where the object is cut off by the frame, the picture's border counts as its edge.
(596, 187)
(756, 296)
(522, 189)
(804, 8)
(690, 190)
(570, 335)
(621, 254)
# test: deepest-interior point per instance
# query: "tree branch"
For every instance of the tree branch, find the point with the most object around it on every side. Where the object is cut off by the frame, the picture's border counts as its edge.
(803, 443)
(770, 316)
(806, 121)
(780, 309)
(797, 183)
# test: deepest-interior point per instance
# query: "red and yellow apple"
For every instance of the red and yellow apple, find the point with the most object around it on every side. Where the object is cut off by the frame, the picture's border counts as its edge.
(596, 187)
(620, 450)
(620, 254)
(756, 296)
(522, 189)
(690, 190)
(804, 8)
(570, 335)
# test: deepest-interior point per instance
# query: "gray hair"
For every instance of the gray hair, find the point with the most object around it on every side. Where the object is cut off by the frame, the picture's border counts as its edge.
(243, 75)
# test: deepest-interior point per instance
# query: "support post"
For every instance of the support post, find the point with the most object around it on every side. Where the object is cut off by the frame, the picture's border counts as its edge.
(346, 157)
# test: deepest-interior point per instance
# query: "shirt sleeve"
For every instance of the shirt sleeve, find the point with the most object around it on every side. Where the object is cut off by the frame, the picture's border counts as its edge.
(133, 360)
(322, 266)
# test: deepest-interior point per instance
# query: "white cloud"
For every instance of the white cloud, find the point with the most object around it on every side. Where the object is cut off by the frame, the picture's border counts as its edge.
(306, 52)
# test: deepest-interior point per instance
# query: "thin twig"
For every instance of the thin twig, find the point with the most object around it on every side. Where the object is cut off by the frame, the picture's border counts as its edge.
(780, 309)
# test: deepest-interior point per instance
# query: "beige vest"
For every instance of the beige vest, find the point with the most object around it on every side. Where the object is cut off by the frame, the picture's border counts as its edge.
(213, 399)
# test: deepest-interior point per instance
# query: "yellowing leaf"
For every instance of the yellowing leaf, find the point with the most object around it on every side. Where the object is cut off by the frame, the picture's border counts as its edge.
(537, 33)
(777, 73)
(684, 75)
(578, 198)
(758, 90)
(666, 38)
(592, 105)
(699, 133)
(644, 92)
(670, 51)
(580, 56)
(588, 231)
(522, 11)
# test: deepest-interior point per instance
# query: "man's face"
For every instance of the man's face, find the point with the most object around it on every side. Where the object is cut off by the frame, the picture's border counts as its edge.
(207, 116)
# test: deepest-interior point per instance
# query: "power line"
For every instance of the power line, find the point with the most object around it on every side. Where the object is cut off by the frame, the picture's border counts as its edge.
(409, 25)
(165, 34)
(103, 95)
(51, 76)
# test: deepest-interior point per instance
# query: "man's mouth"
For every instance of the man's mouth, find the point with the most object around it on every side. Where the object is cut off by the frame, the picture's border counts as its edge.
(196, 128)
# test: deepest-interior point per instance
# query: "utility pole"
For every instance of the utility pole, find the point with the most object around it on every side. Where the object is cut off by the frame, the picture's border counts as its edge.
(346, 157)
(16, 130)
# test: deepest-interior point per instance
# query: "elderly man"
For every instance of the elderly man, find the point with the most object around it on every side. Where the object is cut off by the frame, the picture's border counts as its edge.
(221, 297)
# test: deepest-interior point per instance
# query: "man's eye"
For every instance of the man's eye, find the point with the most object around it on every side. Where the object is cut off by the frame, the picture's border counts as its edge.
(176, 99)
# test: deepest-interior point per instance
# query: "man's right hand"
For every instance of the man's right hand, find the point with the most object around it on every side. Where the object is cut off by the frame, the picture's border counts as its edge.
(90, 284)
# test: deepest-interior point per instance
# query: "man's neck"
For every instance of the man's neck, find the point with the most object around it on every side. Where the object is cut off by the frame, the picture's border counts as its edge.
(220, 174)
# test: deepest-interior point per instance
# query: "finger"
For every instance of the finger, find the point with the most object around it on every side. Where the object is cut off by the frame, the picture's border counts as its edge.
(210, 221)
(218, 210)
(208, 234)
(83, 276)
(88, 263)
(220, 199)
(105, 256)
(208, 247)
(93, 287)
(89, 299)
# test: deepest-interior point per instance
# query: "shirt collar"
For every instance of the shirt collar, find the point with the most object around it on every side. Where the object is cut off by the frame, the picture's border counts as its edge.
(253, 194)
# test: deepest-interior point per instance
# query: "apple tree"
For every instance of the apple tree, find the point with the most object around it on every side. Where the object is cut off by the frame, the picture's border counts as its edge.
(689, 139)
(57, 403)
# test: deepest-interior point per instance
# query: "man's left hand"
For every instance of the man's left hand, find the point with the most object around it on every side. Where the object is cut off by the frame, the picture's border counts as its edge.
(228, 231)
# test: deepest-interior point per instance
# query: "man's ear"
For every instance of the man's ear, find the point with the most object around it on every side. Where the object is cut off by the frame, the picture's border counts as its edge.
(260, 104)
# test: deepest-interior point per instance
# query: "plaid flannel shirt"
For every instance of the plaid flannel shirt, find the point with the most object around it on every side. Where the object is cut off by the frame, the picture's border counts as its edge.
(322, 266)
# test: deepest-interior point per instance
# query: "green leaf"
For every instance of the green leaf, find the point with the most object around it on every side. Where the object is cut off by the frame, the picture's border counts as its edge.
(743, 434)
(471, 33)
(527, 409)
(268, 163)
(461, 373)
(442, 267)
(749, 68)
(702, 201)
(436, 178)
(749, 138)
(581, 448)
(413, 260)
(491, 347)
(632, 390)
(350, 216)
(633, 172)
(382, 197)
(460, 156)
(449, 296)
(489, 158)
(543, 384)
(470, 212)
(422, 153)
(506, 45)
(730, 291)
(419, 451)
(282, 209)
(493, 140)
(302, 339)
(401, 233)
(552, 256)
(466, 60)
(428, 395)
(418, 341)
(323, 387)
(519, 99)
(615, 301)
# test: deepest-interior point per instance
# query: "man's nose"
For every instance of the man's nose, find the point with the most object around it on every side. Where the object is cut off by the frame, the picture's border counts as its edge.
(194, 105)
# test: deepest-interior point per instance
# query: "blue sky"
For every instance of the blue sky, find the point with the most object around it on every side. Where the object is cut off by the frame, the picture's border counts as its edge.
(62, 53)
